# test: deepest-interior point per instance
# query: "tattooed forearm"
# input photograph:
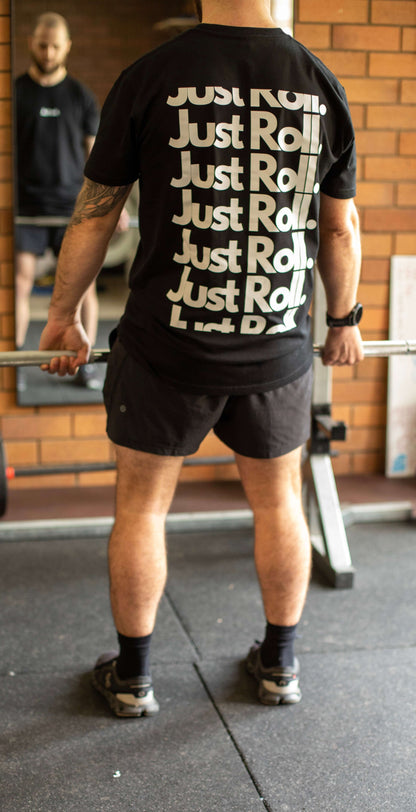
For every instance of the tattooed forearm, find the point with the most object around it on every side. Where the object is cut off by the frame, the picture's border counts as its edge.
(95, 200)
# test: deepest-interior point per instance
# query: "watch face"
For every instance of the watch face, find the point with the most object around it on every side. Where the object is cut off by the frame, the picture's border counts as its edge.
(357, 313)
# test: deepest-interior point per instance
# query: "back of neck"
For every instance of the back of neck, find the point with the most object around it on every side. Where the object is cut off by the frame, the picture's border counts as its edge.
(242, 14)
(241, 22)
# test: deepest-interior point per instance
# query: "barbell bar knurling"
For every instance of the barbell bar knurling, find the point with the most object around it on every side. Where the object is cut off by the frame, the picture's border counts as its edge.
(34, 358)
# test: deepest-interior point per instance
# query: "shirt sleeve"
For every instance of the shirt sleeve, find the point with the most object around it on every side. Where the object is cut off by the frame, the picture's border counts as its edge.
(114, 159)
(91, 115)
(340, 180)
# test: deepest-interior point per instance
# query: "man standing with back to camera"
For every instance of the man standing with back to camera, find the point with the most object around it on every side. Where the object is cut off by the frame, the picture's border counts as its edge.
(244, 148)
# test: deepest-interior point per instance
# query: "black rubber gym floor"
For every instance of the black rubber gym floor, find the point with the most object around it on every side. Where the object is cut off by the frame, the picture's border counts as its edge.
(348, 747)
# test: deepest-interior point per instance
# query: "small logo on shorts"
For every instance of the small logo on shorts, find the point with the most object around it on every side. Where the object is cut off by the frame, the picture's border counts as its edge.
(123, 408)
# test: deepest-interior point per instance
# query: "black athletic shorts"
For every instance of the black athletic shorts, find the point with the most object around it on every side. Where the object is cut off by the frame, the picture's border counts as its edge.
(146, 413)
(36, 239)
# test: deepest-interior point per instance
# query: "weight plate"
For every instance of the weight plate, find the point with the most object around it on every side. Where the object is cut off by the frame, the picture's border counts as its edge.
(3, 480)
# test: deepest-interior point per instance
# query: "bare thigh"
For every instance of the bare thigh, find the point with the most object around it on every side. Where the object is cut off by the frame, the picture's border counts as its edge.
(145, 482)
(269, 483)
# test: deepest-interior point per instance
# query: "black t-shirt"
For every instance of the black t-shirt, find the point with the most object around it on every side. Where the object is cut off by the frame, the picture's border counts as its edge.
(51, 126)
(232, 132)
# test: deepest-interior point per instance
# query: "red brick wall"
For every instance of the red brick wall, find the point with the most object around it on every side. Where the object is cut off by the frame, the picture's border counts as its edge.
(102, 43)
(370, 45)
(6, 202)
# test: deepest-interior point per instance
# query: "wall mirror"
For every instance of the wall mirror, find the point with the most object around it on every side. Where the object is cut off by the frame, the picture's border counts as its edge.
(102, 45)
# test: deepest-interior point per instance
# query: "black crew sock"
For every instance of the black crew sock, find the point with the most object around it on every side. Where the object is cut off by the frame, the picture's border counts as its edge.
(133, 660)
(277, 646)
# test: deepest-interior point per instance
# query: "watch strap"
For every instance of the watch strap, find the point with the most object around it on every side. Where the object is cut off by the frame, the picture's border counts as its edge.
(353, 318)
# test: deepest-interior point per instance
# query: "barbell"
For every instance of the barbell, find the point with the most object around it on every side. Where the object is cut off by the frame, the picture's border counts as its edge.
(34, 358)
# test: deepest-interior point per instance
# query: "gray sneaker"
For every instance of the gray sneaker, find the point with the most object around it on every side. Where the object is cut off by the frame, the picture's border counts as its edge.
(277, 686)
(126, 697)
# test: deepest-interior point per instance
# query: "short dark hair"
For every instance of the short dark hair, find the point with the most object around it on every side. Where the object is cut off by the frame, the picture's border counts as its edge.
(50, 19)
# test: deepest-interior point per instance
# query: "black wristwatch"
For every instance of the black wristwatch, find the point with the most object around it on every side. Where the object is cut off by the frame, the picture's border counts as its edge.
(353, 318)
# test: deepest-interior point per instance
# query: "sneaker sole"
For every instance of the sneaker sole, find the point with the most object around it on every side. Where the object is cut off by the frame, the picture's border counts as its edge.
(270, 698)
(267, 697)
(122, 709)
